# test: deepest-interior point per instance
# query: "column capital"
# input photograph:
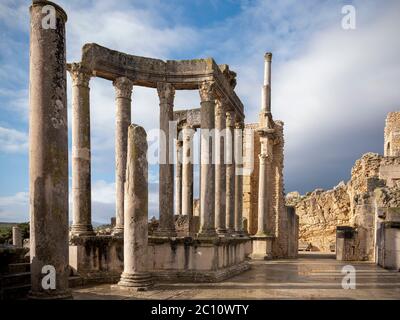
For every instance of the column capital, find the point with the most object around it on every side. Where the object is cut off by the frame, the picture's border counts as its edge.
(179, 143)
(268, 56)
(79, 74)
(239, 124)
(207, 91)
(219, 108)
(123, 87)
(166, 92)
(230, 119)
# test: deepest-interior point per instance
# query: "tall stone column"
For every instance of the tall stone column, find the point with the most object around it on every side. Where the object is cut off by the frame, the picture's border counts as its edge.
(265, 113)
(16, 237)
(220, 168)
(166, 93)
(266, 89)
(187, 176)
(262, 195)
(123, 92)
(48, 153)
(207, 187)
(178, 178)
(136, 273)
(81, 158)
(239, 178)
(230, 173)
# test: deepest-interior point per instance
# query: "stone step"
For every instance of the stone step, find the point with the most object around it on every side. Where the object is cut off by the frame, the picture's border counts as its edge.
(75, 281)
(19, 267)
(15, 279)
(15, 292)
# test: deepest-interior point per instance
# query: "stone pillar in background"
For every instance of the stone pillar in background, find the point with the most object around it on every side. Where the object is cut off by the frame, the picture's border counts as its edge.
(265, 113)
(81, 178)
(123, 92)
(187, 176)
(16, 237)
(48, 151)
(238, 177)
(135, 273)
(220, 171)
(230, 173)
(262, 195)
(207, 187)
(178, 178)
(166, 93)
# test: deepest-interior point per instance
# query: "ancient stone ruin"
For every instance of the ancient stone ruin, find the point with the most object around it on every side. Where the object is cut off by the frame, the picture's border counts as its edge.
(241, 214)
(359, 219)
(210, 248)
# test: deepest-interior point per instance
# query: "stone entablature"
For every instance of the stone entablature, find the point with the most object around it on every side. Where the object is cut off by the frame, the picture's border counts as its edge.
(182, 74)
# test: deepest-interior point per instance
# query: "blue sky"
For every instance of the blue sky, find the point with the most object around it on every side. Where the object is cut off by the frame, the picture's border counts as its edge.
(331, 87)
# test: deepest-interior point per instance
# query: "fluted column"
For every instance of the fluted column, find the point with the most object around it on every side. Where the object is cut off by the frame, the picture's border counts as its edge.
(239, 177)
(178, 178)
(123, 90)
(207, 187)
(230, 173)
(81, 152)
(48, 154)
(187, 176)
(220, 168)
(166, 93)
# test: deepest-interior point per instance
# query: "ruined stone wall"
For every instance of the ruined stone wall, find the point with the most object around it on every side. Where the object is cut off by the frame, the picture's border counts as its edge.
(392, 134)
(320, 212)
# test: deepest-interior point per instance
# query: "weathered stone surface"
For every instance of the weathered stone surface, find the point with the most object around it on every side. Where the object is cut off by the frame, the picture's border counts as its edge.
(81, 151)
(48, 152)
(123, 91)
(135, 212)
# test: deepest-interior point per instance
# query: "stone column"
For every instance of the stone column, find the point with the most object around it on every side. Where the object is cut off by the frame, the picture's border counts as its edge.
(220, 171)
(239, 178)
(187, 176)
(81, 179)
(262, 195)
(178, 178)
(48, 153)
(266, 89)
(135, 273)
(123, 92)
(16, 237)
(230, 173)
(166, 93)
(207, 187)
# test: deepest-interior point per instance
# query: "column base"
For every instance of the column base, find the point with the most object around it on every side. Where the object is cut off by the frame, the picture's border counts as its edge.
(82, 230)
(210, 233)
(168, 233)
(222, 232)
(139, 281)
(262, 247)
(50, 295)
(118, 231)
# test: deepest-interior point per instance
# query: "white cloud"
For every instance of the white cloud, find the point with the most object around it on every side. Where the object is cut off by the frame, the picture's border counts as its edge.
(14, 208)
(13, 141)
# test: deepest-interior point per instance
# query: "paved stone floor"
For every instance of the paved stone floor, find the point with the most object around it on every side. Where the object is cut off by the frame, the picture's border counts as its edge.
(312, 276)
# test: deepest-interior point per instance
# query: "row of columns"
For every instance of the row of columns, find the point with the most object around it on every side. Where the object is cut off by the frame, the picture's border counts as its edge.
(221, 200)
(220, 188)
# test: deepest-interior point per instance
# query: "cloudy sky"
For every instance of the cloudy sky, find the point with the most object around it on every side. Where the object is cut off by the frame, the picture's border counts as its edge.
(332, 87)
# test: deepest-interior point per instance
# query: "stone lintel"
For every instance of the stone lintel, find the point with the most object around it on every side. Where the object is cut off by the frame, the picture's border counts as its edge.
(189, 117)
(183, 74)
